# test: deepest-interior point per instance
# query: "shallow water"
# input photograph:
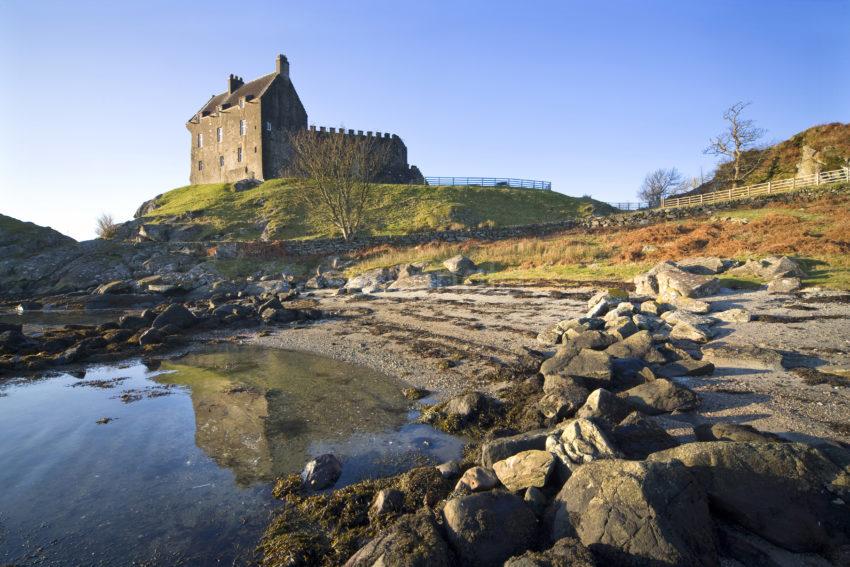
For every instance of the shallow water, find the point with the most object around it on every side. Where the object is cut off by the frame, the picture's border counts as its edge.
(36, 322)
(181, 476)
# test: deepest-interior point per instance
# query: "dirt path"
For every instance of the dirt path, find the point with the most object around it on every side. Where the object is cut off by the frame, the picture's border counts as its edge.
(454, 339)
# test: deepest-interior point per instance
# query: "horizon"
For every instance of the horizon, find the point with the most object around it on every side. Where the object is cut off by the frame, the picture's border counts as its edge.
(564, 94)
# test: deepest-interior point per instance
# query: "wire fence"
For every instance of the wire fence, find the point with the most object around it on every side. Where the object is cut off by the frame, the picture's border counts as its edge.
(630, 206)
(490, 182)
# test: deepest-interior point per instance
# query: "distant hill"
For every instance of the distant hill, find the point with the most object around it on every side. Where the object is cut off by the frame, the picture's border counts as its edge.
(273, 211)
(19, 238)
(781, 161)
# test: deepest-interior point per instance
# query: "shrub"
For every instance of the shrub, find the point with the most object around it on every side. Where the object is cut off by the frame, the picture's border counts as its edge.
(106, 227)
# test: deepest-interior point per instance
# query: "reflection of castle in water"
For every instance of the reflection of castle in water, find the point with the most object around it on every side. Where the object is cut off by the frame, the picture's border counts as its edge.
(258, 411)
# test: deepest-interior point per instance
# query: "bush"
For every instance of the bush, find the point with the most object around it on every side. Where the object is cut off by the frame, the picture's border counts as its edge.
(106, 227)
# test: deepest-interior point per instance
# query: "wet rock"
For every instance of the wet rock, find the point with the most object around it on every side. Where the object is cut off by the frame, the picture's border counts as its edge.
(567, 552)
(637, 345)
(413, 541)
(14, 327)
(486, 529)
(117, 286)
(525, 469)
(117, 335)
(583, 441)
(637, 513)
(604, 406)
(386, 501)
(685, 367)
(477, 479)
(741, 433)
(784, 285)
(321, 472)
(791, 494)
(661, 396)
(460, 265)
(638, 437)
(175, 314)
(504, 447)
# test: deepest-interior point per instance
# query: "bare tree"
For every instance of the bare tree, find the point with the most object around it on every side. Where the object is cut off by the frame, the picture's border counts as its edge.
(105, 227)
(341, 170)
(661, 183)
(734, 144)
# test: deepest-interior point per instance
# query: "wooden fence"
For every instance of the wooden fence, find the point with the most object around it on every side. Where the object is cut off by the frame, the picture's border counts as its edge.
(768, 188)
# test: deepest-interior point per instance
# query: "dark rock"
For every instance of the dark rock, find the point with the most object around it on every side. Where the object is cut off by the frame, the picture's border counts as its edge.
(628, 372)
(661, 396)
(132, 322)
(604, 406)
(321, 472)
(636, 513)
(118, 286)
(413, 541)
(734, 432)
(685, 367)
(282, 315)
(791, 494)
(638, 437)
(567, 552)
(151, 337)
(489, 527)
(175, 314)
(504, 447)
(16, 327)
(233, 310)
(592, 366)
(387, 501)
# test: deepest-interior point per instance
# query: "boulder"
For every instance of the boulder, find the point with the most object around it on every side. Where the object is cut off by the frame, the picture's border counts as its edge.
(590, 365)
(466, 407)
(175, 314)
(386, 501)
(684, 330)
(460, 265)
(685, 367)
(734, 315)
(770, 268)
(583, 441)
(504, 447)
(661, 396)
(151, 336)
(689, 304)
(637, 345)
(637, 513)
(621, 327)
(449, 469)
(604, 406)
(741, 433)
(282, 315)
(413, 541)
(477, 479)
(705, 266)
(672, 278)
(562, 404)
(566, 552)
(525, 469)
(791, 494)
(650, 307)
(428, 280)
(117, 286)
(378, 278)
(784, 285)
(321, 472)
(487, 528)
(637, 437)
(330, 279)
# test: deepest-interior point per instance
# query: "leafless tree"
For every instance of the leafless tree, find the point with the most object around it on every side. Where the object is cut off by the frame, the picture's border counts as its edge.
(661, 183)
(741, 135)
(341, 170)
(106, 227)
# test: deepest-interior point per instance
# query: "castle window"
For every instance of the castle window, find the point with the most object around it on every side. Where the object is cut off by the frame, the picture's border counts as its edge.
(243, 127)
(239, 154)
(268, 126)
(242, 102)
(221, 161)
(219, 134)
(200, 140)
(200, 166)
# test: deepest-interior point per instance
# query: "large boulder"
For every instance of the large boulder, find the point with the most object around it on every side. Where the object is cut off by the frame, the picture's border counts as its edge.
(566, 552)
(175, 314)
(637, 513)
(737, 432)
(487, 528)
(460, 265)
(477, 479)
(604, 406)
(770, 268)
(791, 494)
(413, 541)
(638, 437)
(525, 469)
(637, 345)
(705, 266)
(583, 441)
(593, 366)
(667, 278)
(321, 472)
(429, 280)
(117, 286)
(375, 279)
(504, 447)
(661, 396)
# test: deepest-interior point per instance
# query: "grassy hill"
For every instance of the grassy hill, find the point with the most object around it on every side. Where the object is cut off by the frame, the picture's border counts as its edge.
(225, 213)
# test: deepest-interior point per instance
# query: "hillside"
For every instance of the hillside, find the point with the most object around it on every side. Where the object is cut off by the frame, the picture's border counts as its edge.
(781, 161)
(19, 238)
(274, 211)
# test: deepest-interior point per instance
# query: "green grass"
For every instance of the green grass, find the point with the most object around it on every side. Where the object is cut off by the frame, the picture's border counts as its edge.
(400, 209)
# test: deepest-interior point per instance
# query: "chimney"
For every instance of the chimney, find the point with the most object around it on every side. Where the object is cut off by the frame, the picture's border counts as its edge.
(282, 65)
(233, 83)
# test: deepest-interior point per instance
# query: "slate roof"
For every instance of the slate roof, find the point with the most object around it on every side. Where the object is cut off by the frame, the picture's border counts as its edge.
(254, 89)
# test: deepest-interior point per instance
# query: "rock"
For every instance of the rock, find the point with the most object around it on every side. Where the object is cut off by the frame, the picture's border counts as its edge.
(735, 315)
(637, 513)
(321, 472)
(770, 268)
(690, 305)
(175, 314)
(705, 266)
(165, 289)
(550, 336)
(233, 310)
(646, 322)
(590, 365)
(567, 552)
(428, 280)
(282, 315)
(26, 306)
(637, 437)
(684, 330)
(628, 372)
(667, 277)
(449, 469)
(14, 327)
(741, 433)
(151, 336)
(791, 494)
(685, 367)
(407, 270)
(757, 357)
(650, 307)
(466, 407)
(661, 396)
(621, 327)
(604, 406)
(460, 265)
(477, 479)
(386, 501)
(583, 441)
(562, 404)
(486, 529)
(378, 278)
(504, 447)
(132, 322)
(637, 345)
(745, 548)
(784, 285)
(525, 469)
(612, 296)
(536, 500)
(329, 280)
(413, 541)
(117, 286)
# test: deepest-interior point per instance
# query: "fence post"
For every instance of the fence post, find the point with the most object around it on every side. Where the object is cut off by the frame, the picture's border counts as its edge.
(768, 187)
(794, 184)
(817, 178)
(662, 202)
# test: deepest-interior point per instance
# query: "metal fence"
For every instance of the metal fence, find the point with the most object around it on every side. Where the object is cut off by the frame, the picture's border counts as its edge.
(630, 206)
(490, 182)
(768, 188)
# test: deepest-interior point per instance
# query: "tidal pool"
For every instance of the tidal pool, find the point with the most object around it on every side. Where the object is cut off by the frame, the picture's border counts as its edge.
(181, 472)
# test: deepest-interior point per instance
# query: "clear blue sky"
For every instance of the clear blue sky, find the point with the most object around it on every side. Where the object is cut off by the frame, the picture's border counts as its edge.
(589, 95)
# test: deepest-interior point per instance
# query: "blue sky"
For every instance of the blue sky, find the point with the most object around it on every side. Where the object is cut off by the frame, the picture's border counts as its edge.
(589, 95)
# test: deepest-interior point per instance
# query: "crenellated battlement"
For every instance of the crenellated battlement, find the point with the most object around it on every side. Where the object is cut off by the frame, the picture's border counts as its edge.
(351, 132)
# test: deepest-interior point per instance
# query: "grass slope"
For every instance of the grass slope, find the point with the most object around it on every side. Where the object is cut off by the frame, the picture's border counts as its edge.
(817, 233)
(226, 213)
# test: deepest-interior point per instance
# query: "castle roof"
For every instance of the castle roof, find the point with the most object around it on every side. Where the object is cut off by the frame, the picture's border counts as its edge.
(252, 89)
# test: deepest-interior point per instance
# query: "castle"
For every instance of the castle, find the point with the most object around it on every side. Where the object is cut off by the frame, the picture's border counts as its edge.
(245, 131)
